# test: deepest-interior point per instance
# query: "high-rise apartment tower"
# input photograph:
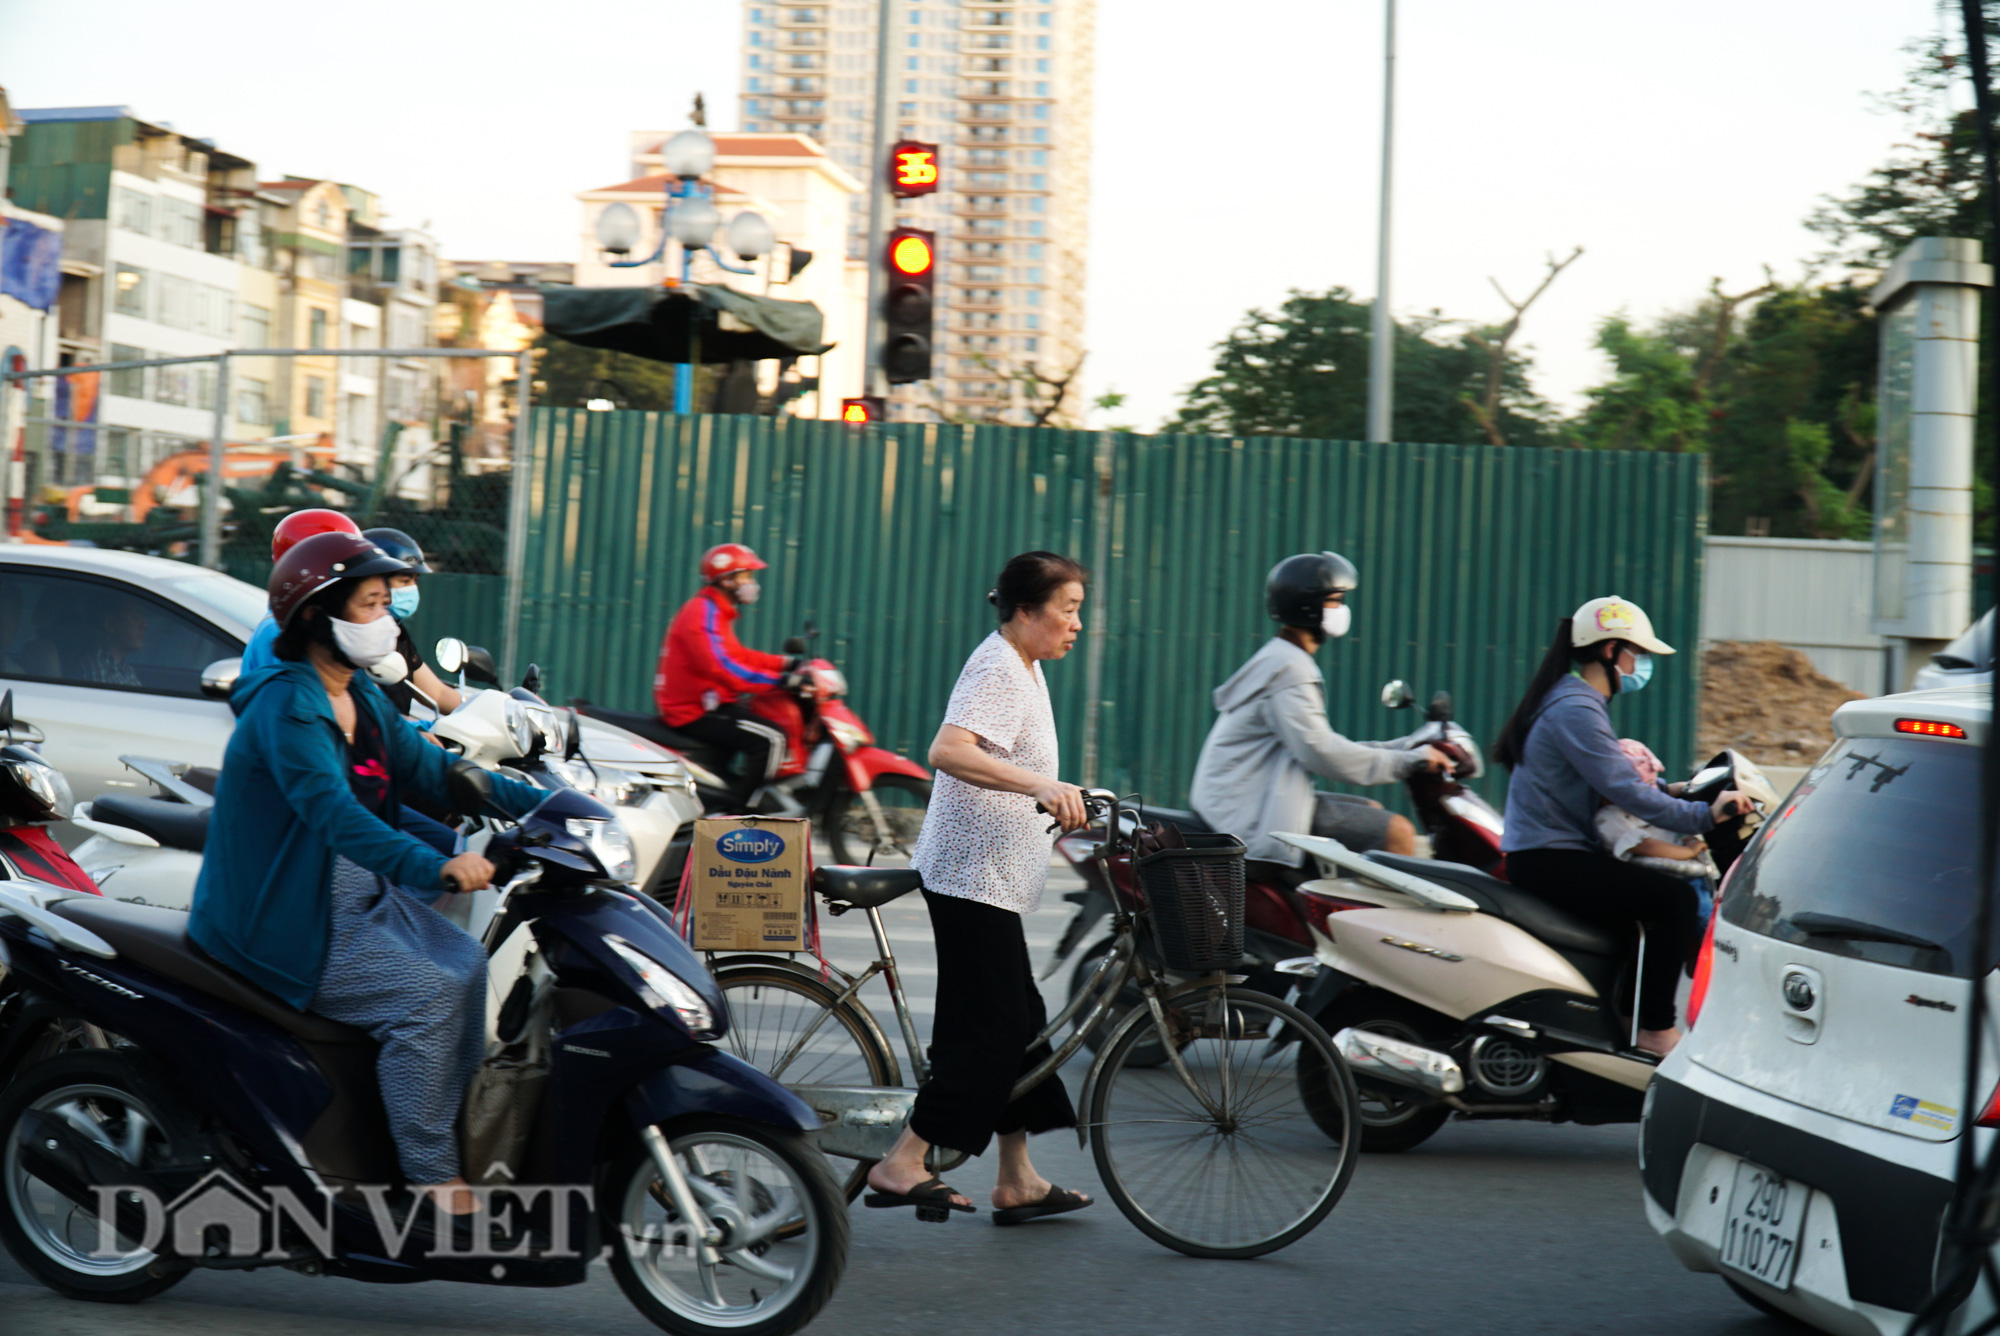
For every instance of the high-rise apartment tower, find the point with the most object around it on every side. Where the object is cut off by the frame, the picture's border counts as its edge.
(1004, 86)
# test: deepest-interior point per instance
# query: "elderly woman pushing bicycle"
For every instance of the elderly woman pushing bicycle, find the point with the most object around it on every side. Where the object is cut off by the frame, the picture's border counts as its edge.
(984, 855)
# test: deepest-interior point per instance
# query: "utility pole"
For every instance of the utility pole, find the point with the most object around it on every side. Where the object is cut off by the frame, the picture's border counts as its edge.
(1382, 330)
(878, 203)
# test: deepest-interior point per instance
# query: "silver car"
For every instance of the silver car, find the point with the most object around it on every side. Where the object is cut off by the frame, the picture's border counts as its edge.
(105, 651)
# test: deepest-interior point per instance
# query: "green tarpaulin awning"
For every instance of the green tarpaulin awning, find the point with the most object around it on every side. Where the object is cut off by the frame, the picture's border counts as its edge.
(723, 324)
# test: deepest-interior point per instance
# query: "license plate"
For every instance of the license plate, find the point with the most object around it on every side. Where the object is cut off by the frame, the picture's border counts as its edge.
(1760, 1237)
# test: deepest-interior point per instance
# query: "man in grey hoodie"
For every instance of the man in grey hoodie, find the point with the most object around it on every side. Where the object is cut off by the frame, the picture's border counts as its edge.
(1255, 775)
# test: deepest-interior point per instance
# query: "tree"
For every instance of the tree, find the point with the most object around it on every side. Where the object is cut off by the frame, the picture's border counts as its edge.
(1930, 187)
(1494, 343)
(1302, 370)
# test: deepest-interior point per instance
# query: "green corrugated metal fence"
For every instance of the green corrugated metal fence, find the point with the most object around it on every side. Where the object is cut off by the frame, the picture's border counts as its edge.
(889, 539)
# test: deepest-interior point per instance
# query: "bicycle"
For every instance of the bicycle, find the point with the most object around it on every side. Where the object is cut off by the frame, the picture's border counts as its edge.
(1215, 1151)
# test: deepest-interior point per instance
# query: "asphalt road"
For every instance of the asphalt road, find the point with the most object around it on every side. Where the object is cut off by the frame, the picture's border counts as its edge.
(1488, 1228)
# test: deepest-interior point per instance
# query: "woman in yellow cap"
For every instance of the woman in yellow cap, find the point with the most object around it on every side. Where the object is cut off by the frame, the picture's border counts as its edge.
(1566, 763)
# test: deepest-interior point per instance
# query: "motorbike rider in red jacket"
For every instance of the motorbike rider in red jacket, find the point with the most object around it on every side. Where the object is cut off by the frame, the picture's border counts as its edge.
(704, 670)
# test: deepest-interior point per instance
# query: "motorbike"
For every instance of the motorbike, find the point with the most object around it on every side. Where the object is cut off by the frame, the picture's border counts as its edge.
(865, 799)
(224, 1130)
(147, 850)
(1277, 936)
(27, 850)
(1454, 994)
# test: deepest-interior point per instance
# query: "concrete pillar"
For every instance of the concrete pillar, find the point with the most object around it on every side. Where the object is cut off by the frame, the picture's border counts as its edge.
(1929, 307)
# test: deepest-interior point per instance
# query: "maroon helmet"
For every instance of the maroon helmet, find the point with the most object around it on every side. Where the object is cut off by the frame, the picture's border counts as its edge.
(316, 562)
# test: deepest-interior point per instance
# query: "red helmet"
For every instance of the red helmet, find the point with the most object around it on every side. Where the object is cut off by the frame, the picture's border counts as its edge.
(303, 524)
(319, 561)
(728, 559)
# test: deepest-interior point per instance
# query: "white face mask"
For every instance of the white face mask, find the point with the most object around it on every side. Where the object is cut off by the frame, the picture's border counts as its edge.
(1333, 622)
(747, 591)
(366, 643)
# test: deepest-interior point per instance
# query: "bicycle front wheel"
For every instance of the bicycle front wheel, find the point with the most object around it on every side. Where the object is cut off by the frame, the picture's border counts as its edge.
(1218, 1155)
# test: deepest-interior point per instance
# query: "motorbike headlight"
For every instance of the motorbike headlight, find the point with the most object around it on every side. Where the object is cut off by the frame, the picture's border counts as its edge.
(608, 840)
(521, 729)
(849, 736)
(664, 989)
(622, 788)
(44, 784)
(548, 728)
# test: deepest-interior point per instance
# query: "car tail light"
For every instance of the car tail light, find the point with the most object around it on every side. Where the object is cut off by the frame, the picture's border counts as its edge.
(1991, 1116)
(1929, 728)
(1698, 991)
(1321, 907)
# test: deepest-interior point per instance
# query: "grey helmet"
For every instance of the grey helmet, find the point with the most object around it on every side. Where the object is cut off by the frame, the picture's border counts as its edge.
(1295, 591)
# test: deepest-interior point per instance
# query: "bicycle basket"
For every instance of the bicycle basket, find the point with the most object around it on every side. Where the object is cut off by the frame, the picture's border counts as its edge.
(1196, 898)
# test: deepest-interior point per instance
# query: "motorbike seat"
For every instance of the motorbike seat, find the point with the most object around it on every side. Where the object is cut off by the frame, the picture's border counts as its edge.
(1524, 909)
(865, 887)
(1190, 823)
(648, 727)
(158, 939)
(174, 825)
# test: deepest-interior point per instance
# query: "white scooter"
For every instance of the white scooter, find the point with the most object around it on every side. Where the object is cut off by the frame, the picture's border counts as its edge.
(1450, 992)
(147, 850)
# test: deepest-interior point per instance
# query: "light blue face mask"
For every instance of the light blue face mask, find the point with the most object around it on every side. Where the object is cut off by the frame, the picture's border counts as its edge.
(403, 602)
(1642, 673)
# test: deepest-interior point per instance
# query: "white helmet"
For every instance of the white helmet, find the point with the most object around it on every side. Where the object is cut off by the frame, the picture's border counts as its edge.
(1615, 618)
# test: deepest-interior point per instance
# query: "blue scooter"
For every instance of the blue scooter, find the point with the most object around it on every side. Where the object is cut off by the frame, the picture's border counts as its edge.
(214, 1127)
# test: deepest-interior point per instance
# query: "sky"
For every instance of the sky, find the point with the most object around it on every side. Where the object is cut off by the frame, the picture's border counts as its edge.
(1236, 147)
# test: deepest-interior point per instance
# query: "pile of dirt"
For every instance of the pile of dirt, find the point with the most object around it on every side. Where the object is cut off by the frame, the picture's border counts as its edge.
(1767, 701)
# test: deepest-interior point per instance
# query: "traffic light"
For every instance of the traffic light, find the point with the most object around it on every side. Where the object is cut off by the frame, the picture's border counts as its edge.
(862, 412)
(906, 344)
(913, 168)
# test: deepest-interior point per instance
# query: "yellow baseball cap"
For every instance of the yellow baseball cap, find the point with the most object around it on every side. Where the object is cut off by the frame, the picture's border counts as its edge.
(1615, 618)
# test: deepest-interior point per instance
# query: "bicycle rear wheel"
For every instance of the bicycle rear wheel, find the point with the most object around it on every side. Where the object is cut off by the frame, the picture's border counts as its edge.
(794, 1029)
(1218, 1155)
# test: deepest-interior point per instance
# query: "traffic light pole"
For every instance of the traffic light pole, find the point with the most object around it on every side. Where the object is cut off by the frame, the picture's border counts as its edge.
(878, 203)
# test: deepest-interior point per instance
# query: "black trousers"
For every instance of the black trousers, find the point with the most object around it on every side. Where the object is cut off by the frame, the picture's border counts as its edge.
(759, 747)
(988, 1008)
(1599, 889)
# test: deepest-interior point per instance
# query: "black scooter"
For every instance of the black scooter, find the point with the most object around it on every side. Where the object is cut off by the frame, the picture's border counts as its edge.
(220, 1129)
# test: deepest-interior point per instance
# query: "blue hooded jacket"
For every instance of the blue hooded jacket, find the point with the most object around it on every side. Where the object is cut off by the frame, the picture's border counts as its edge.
(284, 807)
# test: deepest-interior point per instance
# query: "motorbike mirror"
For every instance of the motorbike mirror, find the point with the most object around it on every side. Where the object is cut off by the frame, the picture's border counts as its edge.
(1440, 707)
(388, 672)
(469, 788)
(1396, 695)
(7, 712)
(449, 654)
(573, 742)
(795, 645)
(219, 678)
(479, 665)
(532, 679)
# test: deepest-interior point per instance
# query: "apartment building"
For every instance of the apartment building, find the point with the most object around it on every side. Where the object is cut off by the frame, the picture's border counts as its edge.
(1004, 86)
(807, 198)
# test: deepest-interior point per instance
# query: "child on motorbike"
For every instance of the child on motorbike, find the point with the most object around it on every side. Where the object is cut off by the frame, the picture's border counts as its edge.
(1633, 839)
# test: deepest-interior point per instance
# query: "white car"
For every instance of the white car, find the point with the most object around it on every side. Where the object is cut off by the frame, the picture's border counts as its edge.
(1801, 1139)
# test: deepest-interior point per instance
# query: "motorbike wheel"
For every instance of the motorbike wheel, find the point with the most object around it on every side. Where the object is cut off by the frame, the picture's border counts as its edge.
(1146, 1051)
(53, 1238)
(771, 1007)
(850, 830)
(783, 1223)
(1389, 1122)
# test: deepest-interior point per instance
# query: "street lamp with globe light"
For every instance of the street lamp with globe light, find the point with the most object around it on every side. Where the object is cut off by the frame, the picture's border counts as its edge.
(691, 219)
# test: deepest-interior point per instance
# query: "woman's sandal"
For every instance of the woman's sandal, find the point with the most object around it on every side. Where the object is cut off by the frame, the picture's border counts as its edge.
(1058, 1202)
(931, 1197)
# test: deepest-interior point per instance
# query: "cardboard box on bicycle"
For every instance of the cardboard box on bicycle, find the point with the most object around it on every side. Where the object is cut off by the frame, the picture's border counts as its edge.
(748, 886)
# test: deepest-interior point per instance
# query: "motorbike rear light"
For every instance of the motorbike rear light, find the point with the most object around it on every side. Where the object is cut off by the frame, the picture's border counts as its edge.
(1320, 908)
(1698, 990)
(1929, 728)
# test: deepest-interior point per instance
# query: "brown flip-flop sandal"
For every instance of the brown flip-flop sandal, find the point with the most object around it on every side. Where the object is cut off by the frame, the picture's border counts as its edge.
(931, 1197)
(1058, 1202)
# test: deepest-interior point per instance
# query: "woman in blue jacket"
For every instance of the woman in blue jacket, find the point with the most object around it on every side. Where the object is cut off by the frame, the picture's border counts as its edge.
(312, 892)
(1566, 764)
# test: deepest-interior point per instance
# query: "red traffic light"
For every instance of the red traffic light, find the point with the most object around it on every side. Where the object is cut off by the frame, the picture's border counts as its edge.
(910, 253)
(862, 411)
(913, 168)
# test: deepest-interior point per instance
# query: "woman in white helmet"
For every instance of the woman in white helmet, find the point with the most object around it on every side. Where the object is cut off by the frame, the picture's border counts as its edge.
(1566, 763)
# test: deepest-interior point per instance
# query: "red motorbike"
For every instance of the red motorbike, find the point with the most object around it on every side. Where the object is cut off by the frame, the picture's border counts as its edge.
(1277, 946)
(864, 798)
